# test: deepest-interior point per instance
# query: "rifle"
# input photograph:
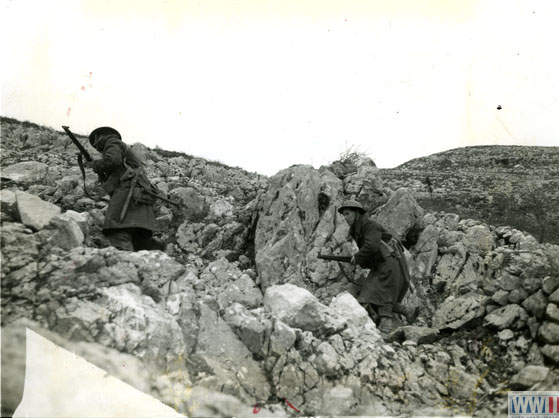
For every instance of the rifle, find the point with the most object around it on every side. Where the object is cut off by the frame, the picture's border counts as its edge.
(340, 259)
(343, 259)
(83, 153)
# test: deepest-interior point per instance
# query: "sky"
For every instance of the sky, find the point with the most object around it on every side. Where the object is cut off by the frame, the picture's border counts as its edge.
(264, 85)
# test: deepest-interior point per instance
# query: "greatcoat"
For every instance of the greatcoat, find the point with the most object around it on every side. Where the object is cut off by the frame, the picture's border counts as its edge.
(386, 283)
(112, 168)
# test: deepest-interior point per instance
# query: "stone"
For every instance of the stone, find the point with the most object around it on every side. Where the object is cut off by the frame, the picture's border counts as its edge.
(462, 384)
(193, 202)
(243, 291)
(400, 214)
(419, 335)
(509, 316)
(551, 352)
(427, 251)
(26, 173)
(479, 240)
(550, 284)
(505, 335)
(347, 307)
(251, 331)
(295, 306)
(554, 297)
(500, 297)
(528, 377)
(34, 211)
(221, 208)
(229, 358)
(508, 281)
(327, 362)
(455, 312)
(282, 338)
(536, 304)
(549, 332)
(552, 312)
(8, 201)
(339, 401)
(67, 232)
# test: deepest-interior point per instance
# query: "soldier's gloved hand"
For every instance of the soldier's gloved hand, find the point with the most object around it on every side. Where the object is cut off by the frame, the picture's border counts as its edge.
(89, 164)
(352, 259)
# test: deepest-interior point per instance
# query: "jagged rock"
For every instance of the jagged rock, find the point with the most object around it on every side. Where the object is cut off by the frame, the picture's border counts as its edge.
(34, 211)
(202, 402)
(243, 291)
(552, 312)
(297, 218)
(327, 362)
(339, 401)
(550, 284)
(554, 297)
(500, 297)
(551, 352)
(221, 208)
(549, 332)
(419, 335)
(194, 204)
(291, 385)
(347, 307)
(8, 203)
(26, 173)
(400, 214)
(509, 316)
(529, 376)
(427, 251)
(295, 306)
(83, 219)
(462, 384)
(456, 312)
(229, 358)
(66, 233)
(282, 338)
(536, 304)
(251, 331)
(508, 281)
(479, 240)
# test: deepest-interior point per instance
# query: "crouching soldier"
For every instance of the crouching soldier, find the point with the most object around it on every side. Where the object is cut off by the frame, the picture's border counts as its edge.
(130, 219)
(388, 279)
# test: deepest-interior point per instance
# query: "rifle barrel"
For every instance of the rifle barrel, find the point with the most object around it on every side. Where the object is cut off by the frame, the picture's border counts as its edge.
(77, 143)
(344, 259)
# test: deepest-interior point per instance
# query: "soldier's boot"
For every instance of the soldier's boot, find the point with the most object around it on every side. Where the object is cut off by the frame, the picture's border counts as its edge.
(409, 312)
(385, 325)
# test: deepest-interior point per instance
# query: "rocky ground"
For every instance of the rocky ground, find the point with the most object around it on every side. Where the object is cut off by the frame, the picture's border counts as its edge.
(500, 185)
(238, 311)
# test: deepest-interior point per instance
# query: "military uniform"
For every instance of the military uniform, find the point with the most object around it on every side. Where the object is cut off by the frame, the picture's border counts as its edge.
(388, 279)
(130, 219)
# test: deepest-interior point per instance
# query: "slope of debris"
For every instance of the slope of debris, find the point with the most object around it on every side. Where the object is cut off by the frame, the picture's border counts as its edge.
(239, 314)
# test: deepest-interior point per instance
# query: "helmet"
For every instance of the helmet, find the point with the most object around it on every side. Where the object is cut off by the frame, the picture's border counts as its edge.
(103, 130)
(351, 204)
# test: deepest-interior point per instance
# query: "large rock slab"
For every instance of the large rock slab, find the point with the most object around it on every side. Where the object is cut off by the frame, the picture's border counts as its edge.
(296, 307)
(297, 218)
(455, 312)
(400, 214)
(26, 173)
(223, 352)
(529, 376)
(510, 316)
(34, 211)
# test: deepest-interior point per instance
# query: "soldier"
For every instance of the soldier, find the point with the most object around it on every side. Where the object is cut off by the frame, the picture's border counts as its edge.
(387, 282)
(130, 219)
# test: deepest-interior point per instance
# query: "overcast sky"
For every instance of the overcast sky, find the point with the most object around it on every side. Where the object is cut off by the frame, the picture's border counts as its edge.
(267, 84)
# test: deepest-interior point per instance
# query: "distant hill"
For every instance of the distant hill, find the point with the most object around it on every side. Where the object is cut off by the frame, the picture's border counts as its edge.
(501, 185)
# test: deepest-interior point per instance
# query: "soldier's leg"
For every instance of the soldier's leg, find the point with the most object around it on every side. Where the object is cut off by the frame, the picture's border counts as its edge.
(385, 325)
(121, 239)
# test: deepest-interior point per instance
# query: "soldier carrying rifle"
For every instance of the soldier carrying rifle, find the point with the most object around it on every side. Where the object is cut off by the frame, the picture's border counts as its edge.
(130, 219)
(388, 280)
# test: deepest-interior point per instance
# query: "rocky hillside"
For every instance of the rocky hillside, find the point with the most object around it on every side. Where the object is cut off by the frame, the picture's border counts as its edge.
(501, 185)
(239, 315)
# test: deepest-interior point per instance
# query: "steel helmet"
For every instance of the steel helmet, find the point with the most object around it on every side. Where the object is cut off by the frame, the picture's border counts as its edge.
(103, 130)
(351, 204)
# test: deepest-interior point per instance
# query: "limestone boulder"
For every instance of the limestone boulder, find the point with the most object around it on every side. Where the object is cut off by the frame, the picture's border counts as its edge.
(455, 312)
(400, 214)
(34, 211)
(510, 316)
(26, 173)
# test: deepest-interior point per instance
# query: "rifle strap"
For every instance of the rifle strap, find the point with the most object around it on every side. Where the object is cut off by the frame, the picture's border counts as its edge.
(82, 169)
(346, 275)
